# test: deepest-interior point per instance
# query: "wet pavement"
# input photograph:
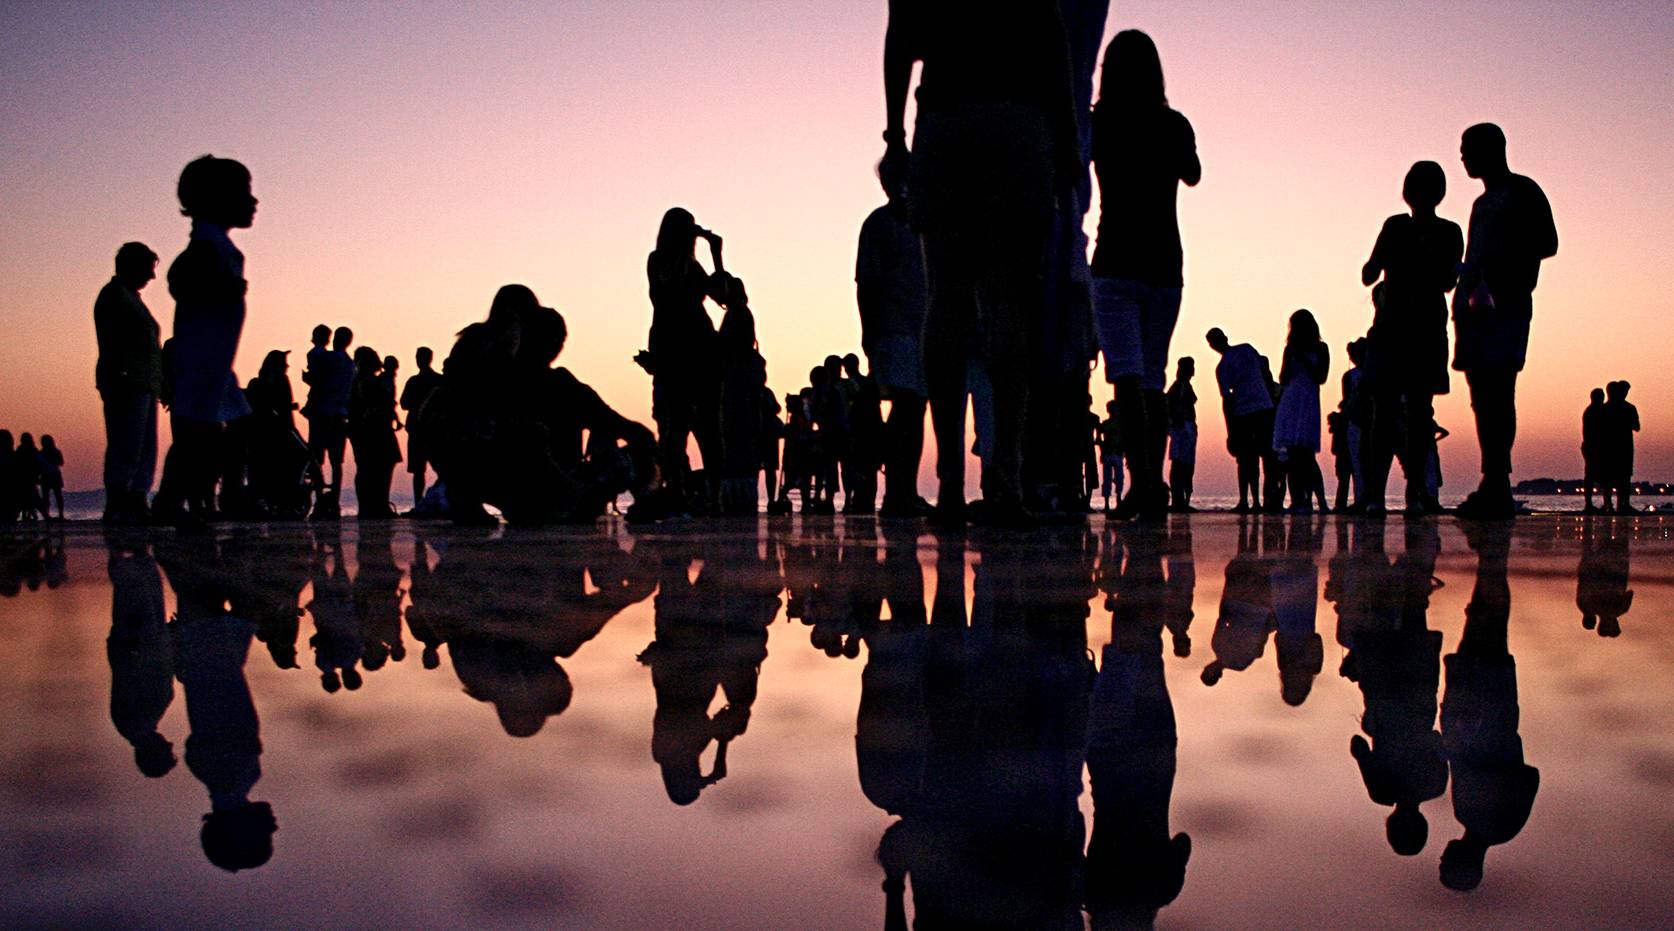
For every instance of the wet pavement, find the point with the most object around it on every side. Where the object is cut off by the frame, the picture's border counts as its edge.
(796, 723)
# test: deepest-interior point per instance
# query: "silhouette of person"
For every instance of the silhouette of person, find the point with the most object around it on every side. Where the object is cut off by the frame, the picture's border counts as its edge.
(1242, 376)
(207, 282)
(1417, 256)
(1181, 405)
(1142, 151)
(141, 655)
(1296, 433)
(1135, 866)
(1295, 586)
(372, 434)
(1246, 611)
(681, 348)
(414, 394)
(50, 468)
(996, 138)
(10, 501)
(377, 598)
(1357, 409)
(1110, 454)
(1511, 231)
(278, 456)
(26, 478)
(1398, 668)
(892, 293)
(1493, 787)
(866, 440)
(224, 748)
(1601, 586)
(1592, 450)
(272, 577)
(991, 830)
(1621, 422)
(336, 640)
(129, 376)
(330, 377)
(743, 379)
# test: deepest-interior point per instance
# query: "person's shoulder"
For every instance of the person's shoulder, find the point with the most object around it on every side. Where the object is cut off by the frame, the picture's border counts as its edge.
(1177, 121)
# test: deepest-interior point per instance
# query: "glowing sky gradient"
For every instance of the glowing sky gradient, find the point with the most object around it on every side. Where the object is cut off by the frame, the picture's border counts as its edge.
(411, 159)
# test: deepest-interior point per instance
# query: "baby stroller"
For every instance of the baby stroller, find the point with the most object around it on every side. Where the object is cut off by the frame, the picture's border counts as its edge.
(279, 473)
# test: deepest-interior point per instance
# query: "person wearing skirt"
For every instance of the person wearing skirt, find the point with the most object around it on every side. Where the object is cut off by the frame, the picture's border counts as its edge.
(1296, 429)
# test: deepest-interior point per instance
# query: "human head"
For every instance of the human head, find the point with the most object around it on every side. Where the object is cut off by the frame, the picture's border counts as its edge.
(1217, 340)
(341, 339)
(544, 334)
(1357, 350)
(1110, 408)
(6, 441)
(1132, 76)
(26, 441)
(239, 838)
(391, 364)
(320, 336)
(677, 235)
(1304, 329)
(217, 191)
(1407, 830)
(851, 365)
(892, 174)
(1461, 864)
(154, 755)
(1617, 390)
(274, 363)
(818, 376)
(367, 361)
(1425, 186)
(424, 357)
(1185, 368)
(1597, 396)
(834, 366)
(1482, 149)
(47, 442)
(136, 264)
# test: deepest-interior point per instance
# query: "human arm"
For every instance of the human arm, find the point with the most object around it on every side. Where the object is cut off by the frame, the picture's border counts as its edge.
(900, 51)
(1191, 169)
(1374, 267)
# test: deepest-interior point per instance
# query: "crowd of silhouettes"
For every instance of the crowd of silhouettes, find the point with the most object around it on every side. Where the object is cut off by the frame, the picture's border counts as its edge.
(31, 478)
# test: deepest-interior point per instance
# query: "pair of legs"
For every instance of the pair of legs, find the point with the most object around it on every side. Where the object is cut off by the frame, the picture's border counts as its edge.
(681, 410)
(191, 466)
(1494, 402)
(1402, 428)
(982, 186)
(1112, 479)
(903, 450)
(130, 453)
(326, 438)
(1135, 322)
(1302, 475)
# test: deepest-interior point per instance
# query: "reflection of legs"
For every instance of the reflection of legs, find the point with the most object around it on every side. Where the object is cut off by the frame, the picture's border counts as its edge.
(947, 326)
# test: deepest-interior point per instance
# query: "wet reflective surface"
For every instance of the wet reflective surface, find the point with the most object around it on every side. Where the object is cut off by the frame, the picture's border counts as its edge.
(1275, 721)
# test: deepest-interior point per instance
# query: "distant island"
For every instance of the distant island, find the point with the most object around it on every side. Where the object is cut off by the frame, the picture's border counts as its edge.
(1576, 486)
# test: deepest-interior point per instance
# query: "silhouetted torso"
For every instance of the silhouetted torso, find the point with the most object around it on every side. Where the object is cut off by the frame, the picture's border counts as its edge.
(1139, 157)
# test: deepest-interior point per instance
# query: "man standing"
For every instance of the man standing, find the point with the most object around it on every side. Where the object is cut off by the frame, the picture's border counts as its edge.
(1182, 435)
(331, 378)
(130, 378)
(413, 395)
(1511, 232)
(1242, 375)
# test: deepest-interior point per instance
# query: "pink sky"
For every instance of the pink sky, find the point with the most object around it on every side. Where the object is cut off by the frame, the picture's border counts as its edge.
(411, 161)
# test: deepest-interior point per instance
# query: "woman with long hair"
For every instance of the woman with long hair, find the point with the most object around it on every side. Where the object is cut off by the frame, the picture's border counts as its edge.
(1142, 151)
(372, 434)
(1296, 432)
(680, 355)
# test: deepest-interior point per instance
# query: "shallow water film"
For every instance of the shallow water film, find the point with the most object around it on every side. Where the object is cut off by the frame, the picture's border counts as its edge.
(793, 723)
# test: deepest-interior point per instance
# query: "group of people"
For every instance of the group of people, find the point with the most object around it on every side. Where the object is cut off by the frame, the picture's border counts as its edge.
(1607, 428)
(974, 290)
(31, 478)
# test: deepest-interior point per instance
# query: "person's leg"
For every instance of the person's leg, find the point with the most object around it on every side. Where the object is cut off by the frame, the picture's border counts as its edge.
(1494, 402)
(124, 425)
(1420, 441)
(1184, 471)
(947, 327)
(1159, 311)
(905, 429)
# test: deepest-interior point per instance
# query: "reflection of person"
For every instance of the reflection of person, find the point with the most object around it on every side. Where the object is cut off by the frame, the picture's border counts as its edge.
(1294, 580)
(1511, 231)
(1493, 788)
(1134, 865)
(1398, 669)
(1601, 587)
(129, 376)
(1246, 614)
(141, 656)
(207, 282)
(224, 748)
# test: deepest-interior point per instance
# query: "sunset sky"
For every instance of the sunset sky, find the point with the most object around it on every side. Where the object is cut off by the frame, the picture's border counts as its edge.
(411, 158)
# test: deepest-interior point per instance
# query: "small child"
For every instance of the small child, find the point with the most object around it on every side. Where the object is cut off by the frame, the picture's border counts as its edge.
(50, 461)
(1110, 455)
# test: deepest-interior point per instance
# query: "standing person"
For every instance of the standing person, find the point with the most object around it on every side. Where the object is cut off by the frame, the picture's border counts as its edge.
(9, 501)
(1142, 151)
(1511, 231)
(1621, 422)
(372, 432)
(891, 291)
(1307, 361)
(681, 348)
(1356, 408)
(330, 377)
(995, 140)
(26, 478)
(1592, 448)
(1417, 256)
(1336, 424)
(129, 377)
(278, 457)
(866, 427)
(414, 393)
(743, 378)
(1182, 435)
(1110, 455)
(1242, 377)
(51, 469)
(207, 282)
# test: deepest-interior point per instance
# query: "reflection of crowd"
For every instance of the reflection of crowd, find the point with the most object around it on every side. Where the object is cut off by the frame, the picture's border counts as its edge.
(979, 706)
